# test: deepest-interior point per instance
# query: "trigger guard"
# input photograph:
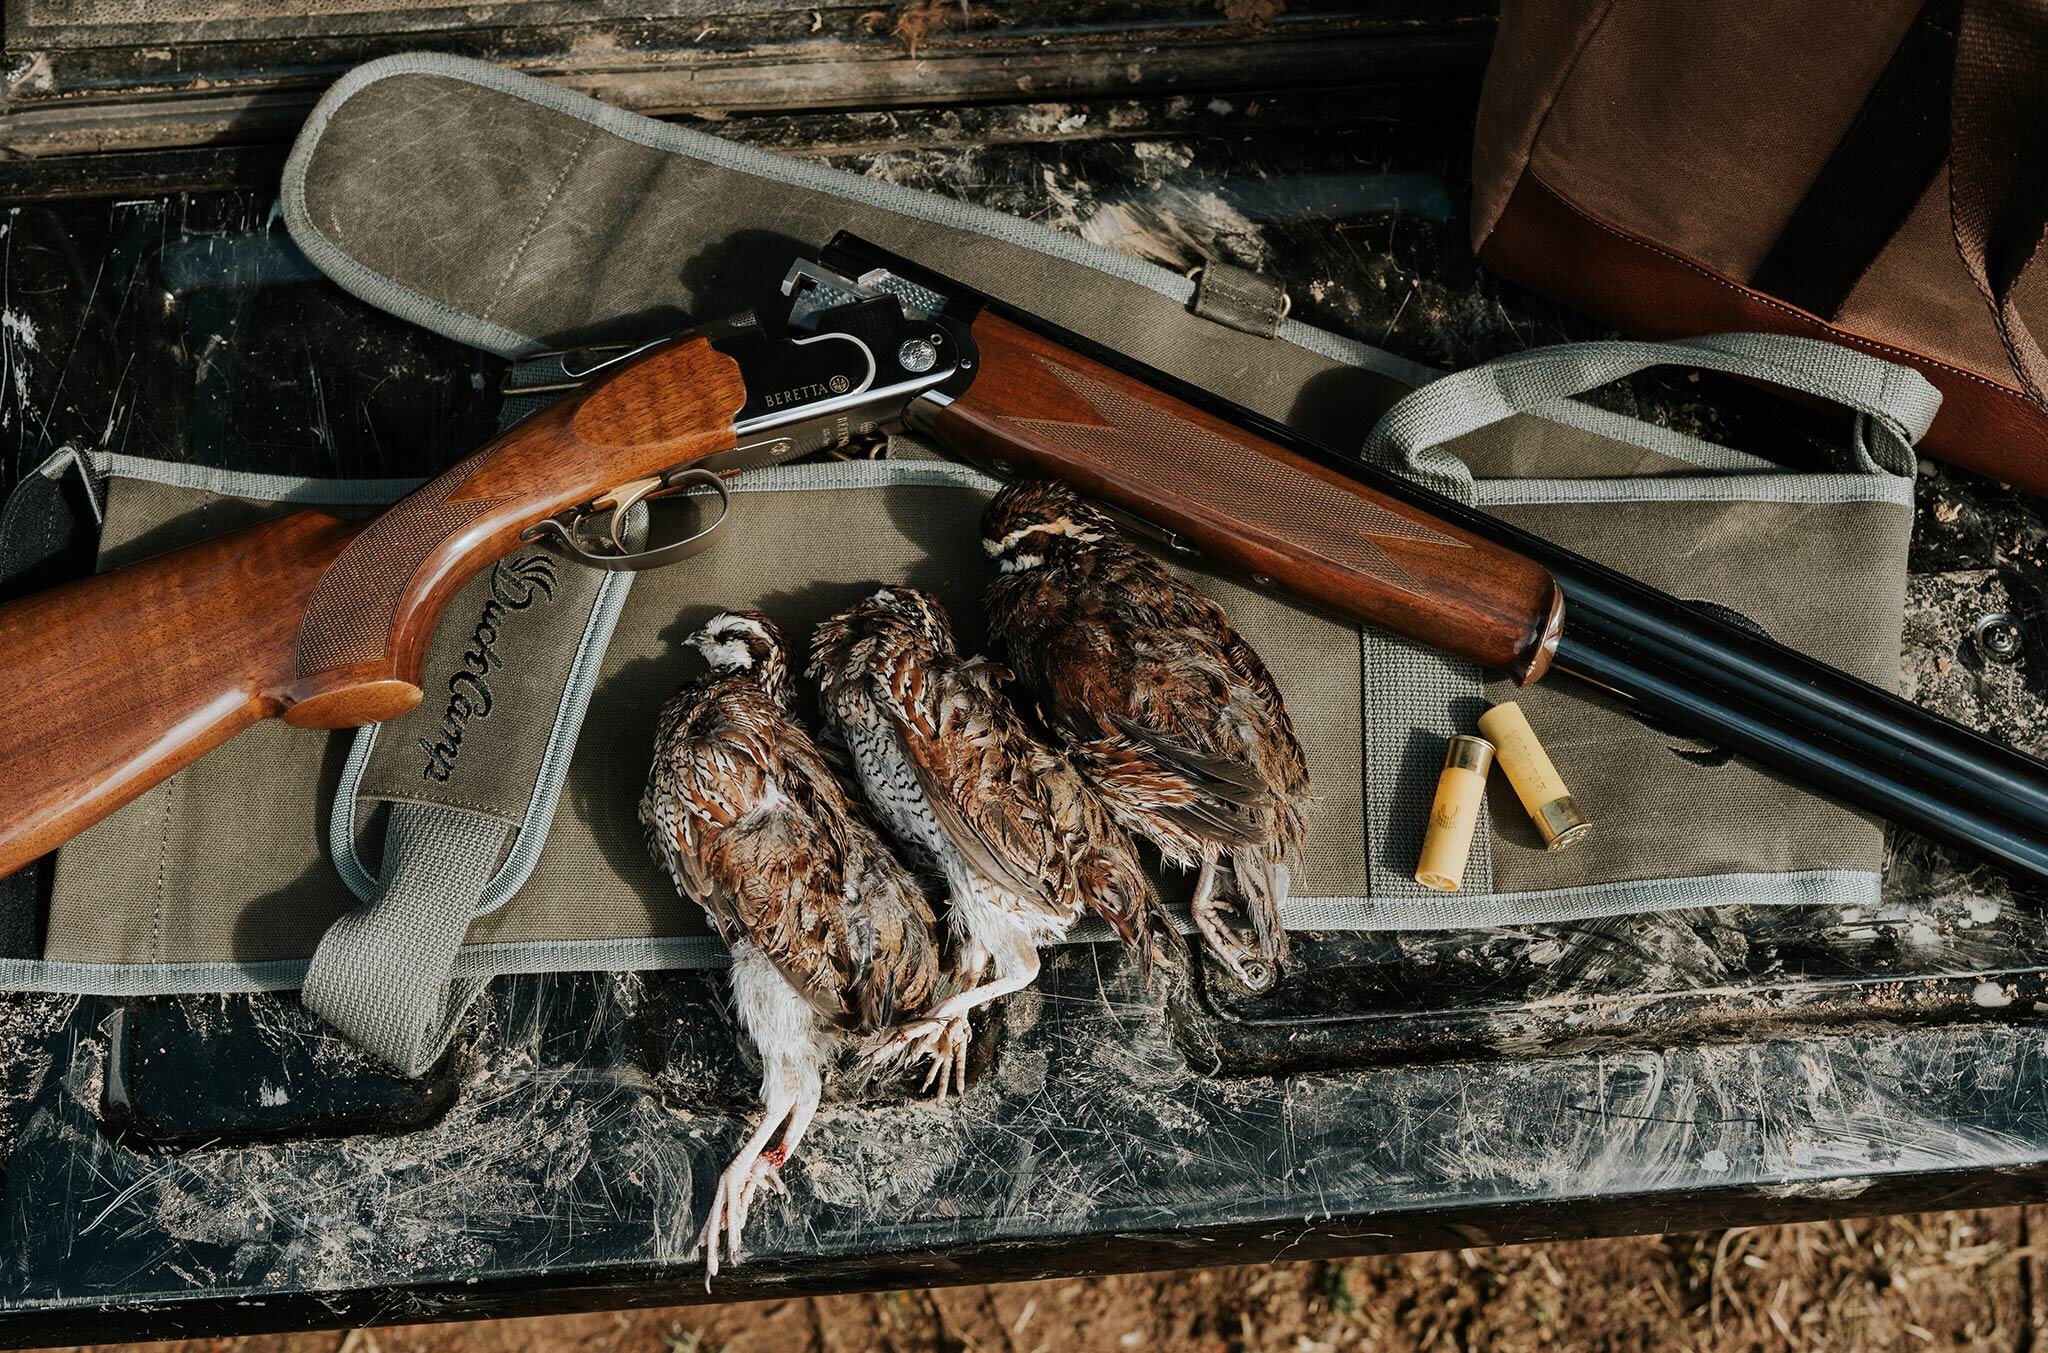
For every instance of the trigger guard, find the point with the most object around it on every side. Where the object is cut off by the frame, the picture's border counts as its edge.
(562, 536)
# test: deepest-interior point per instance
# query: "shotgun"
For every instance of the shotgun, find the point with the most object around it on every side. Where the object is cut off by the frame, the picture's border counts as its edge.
(123, 678)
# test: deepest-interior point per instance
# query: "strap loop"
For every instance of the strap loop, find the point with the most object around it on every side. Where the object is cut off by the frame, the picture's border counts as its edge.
(1239, 298)
(1894, 405)
(384, 974)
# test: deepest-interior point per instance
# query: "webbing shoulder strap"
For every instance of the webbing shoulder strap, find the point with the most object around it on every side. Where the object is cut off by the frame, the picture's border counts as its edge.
(472, 779)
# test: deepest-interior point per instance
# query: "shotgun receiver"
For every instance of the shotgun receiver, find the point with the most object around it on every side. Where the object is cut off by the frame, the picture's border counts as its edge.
(130, 675)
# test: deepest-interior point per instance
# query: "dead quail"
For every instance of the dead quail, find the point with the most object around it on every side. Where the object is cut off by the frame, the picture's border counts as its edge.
(1172, 715)
(1022, 841)
(829, 933)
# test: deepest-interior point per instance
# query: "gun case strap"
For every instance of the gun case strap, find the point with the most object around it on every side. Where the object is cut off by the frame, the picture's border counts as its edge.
(472, 780)
(1893, 405)
(1240, 298)
(41, 517)
(384, 974)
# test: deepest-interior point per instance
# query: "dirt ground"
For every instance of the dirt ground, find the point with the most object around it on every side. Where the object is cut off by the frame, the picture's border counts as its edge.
(1944, 1280)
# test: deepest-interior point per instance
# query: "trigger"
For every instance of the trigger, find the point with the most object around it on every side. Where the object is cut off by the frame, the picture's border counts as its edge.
(622, 500)
(562, 531)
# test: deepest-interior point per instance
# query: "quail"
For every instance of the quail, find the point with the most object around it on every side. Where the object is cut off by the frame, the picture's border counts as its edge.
(1022, 841)
(831, 936)
(1168, 710)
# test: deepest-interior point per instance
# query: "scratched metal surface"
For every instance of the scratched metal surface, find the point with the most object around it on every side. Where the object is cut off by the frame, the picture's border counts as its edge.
(211, 1164)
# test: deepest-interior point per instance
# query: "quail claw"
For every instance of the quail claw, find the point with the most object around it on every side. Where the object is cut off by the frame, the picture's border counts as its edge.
(946, 1047)
(711, 1239)
(938, 1075)
(1229, 949)
(958, 1061)
(891, 1046)
(727, 1220)
(940, 1043)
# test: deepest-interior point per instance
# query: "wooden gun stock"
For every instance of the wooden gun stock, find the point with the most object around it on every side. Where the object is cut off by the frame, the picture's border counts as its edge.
(120, 680)
(1041, 410)
(368, 623)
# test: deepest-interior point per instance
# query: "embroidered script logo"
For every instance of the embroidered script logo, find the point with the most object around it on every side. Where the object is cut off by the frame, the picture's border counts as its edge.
(517, 584)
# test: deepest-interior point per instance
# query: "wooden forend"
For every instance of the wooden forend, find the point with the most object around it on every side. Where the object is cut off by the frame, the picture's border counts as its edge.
(1038, 409)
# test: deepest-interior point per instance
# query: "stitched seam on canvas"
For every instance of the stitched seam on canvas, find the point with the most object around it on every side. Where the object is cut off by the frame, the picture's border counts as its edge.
(163, 862)
(269, 488)
(533, 227)
(1365, 763)
(1842, 336)
(163, 845)
(481, 809)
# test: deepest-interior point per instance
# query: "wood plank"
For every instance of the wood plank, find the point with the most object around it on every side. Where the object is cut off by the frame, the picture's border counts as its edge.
(90, 89)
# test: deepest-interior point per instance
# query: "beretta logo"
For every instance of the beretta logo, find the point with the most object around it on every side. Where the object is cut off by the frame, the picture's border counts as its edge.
(517, 584)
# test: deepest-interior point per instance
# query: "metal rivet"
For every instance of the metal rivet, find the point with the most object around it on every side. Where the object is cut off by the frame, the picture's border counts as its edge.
(917, 355)
(2000, 636)
(1262, 580)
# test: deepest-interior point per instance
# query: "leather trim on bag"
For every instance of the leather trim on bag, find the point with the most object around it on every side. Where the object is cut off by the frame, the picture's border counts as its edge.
(1550, 244)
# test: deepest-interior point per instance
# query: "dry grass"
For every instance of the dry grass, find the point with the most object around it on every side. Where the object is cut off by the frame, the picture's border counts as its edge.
(1948, 1280)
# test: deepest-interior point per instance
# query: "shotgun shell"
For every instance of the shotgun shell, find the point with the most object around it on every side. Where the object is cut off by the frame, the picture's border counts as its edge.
(1536, 781)
(1454, 814)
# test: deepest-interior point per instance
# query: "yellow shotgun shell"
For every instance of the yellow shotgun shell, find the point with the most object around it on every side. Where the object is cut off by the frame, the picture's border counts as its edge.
(1454, 814)
(1541, 789)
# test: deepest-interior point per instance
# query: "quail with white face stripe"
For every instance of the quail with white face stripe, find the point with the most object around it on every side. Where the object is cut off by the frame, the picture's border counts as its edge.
(830, 935)
(1023, 844)
(1171, 714)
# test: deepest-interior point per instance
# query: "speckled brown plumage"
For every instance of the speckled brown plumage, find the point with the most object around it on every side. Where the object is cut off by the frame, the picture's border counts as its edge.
(1021, 839)
(829, 932)
(1170, 712)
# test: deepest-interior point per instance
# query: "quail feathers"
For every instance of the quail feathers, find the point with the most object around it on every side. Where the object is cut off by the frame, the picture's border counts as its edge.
(1169, 711)
(1022, 841)
(829, 932)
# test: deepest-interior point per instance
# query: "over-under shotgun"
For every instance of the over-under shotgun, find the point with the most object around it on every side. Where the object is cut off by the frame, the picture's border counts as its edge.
(123, 678)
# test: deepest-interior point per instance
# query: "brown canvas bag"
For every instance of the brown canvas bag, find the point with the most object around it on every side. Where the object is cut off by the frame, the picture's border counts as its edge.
(1873, 172)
